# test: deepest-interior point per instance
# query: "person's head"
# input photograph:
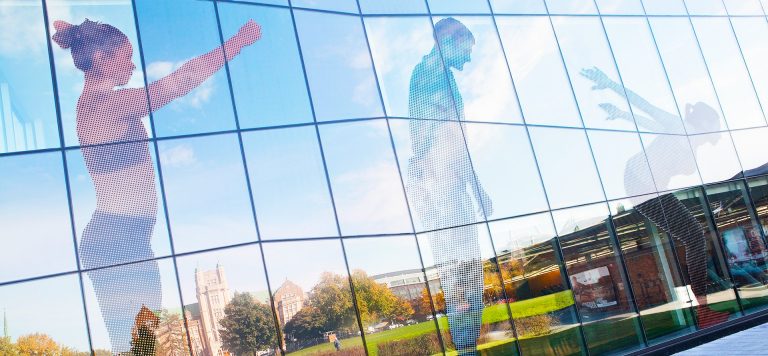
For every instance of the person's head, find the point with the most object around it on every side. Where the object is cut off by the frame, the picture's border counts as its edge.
(98, 49)
(455, 41)
(702, 118)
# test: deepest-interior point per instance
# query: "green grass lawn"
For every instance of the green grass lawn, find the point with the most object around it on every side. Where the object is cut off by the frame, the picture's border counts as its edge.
(491, 314)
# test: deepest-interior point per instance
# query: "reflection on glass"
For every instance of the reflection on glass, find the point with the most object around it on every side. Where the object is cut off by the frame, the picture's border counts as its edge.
(622, 163)
(470, 293)
(33, 191)
(664, 7)
(518, 7)
(620, 7)
(27, 116)
(571, 6)
(458, 6)
(503, 162)
(478, 69)
(642, 71)
(729, 74)
(751, 147)
(744, 7)
(225, 295)
(333, 5)
(44, 317)
(393, 296)
(596, 275)
(750, 33)
(661, 295)
(393, 7)
(268, 80)
(121, 227)
(715, 156)
(534, 282)
(206, 192)
(366, 187)
(672, 162)
(741, 234)
(129, 310)
(575, 163)
(338, 66)
(690, 223)
(312, 297)
(534, 59)
(286, 193)
(705, 7)
(584, 47)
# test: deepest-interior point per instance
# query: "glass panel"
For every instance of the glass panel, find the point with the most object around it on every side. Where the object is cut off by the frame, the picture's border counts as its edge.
(664, 7)
(689, 76)
(70, 79)
(338, 66)
(44, 317)
(692, 228)
(744, 7)
(533, 274)
(672, 162)
(705, 7)
(33, 191)
(470, 293)
(729, 74)
(571, 7)
(334, 5)
(596, 274)
(505, 169)
(287, 193)
(474, 75)
(225, 294)
(207, 193)
(391, 292)
(398, 45)
(268, 81)
(364, 179)
(620, 7)
(518, 7)
(661, 294)
(646, 88)
(27, 113)
(751, 147)
(742, 237)
(590, 64)
(172, 33)
(751, 34)
(715, 156)
(272, 2)
(313, 298)
(458, 6)
(393, 7)
(575, 163)
(622, 163)
(125, 204)
(136, 308)
(534, 59)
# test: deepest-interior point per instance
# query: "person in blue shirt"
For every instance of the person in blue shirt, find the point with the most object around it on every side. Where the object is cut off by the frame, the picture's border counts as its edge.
(441, 183)
(115, 146)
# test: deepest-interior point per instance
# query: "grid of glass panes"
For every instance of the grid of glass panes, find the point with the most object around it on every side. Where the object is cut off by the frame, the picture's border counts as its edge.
(283, 176)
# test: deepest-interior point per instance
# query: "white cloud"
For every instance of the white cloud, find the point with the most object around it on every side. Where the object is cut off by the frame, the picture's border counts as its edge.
(195, 99)
(21, 31)
(178, 156)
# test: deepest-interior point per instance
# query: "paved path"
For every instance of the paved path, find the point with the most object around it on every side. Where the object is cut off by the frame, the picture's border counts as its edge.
(749, 342)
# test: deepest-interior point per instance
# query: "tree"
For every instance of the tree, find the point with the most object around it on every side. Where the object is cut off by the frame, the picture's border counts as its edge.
(37, 344)
(248, 326)
(170, 335)
(332, 298)
(376, 302)
(438, 298)
(143, 341)
(308, 323)
(7, 347)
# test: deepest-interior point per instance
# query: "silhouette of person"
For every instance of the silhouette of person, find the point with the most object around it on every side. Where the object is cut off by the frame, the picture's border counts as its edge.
(116, 152)
(668, 212)
(441, 181)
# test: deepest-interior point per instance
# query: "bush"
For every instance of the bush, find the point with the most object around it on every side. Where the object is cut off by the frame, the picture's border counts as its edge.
(426, 344)
(349, 351)
(536, 325)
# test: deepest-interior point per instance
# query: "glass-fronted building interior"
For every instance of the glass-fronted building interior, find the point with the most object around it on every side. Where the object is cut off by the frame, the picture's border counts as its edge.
(379, 177)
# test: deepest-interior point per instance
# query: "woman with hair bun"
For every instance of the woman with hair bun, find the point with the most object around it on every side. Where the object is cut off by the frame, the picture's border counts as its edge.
(115, 147)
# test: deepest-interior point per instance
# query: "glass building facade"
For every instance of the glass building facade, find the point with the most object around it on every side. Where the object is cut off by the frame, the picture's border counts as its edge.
(380, 177)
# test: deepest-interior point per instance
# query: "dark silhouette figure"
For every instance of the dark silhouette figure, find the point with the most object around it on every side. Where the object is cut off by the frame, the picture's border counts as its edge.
(116, 152)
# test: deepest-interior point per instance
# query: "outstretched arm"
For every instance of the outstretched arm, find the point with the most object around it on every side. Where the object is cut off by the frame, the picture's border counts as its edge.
(663, 119)
(643, 121)
(183, 80)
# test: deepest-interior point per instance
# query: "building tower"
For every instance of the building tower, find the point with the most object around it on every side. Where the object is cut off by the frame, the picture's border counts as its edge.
(212, 296)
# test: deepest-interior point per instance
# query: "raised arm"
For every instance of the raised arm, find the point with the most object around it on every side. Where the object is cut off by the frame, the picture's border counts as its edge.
(131, 103)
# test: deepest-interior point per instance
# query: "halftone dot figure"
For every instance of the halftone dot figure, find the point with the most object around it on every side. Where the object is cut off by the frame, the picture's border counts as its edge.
(441, 182)
(115, 146)
(670, 215)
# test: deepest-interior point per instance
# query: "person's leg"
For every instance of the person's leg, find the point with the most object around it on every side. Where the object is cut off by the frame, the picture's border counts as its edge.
(121, 291)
